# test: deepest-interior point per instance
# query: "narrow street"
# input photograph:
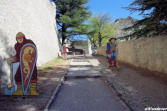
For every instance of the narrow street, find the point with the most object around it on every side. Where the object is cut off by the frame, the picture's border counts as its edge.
(84, 90)
(83, 55)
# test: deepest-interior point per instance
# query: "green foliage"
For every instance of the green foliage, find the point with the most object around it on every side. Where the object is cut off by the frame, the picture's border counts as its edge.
(155, 18)
(100, 29)
(70, 16)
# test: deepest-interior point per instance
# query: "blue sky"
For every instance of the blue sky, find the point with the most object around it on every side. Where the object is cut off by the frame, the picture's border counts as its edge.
(112, 7)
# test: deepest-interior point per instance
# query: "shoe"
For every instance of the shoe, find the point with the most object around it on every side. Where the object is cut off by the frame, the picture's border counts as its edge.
(33, 89)
(19, 91)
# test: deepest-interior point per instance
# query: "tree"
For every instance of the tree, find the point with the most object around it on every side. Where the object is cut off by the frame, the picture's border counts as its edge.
(70, 15)
(100, 29)
(155, 17)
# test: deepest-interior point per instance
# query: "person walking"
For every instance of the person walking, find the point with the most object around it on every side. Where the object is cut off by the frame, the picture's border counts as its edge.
(64, 51)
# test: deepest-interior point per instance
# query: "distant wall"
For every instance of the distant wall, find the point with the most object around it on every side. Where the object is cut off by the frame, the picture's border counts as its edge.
(82, 45)
(149, 53)
(36, 19)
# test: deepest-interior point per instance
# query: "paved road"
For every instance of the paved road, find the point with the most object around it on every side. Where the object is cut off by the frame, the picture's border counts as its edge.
(84, 94)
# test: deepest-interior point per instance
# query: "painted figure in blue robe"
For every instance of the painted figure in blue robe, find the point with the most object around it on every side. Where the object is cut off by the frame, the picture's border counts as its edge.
(111, 52)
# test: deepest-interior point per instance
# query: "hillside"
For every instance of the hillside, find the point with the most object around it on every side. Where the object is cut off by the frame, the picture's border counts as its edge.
(122, 23)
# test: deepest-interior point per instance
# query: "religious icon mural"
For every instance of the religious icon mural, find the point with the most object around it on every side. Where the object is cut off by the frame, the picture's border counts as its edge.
(23, 75)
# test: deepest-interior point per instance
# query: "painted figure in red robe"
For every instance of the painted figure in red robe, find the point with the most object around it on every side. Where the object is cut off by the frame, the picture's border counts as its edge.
(21, 41)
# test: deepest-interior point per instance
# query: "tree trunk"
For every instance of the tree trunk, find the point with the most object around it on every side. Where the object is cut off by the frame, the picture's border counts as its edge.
(100, 39)
(63, 34)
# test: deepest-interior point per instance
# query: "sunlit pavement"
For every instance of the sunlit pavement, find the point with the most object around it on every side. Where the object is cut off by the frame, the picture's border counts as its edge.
(87, 93)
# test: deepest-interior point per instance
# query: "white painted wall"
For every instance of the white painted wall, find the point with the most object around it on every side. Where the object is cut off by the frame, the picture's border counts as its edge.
(36, 19)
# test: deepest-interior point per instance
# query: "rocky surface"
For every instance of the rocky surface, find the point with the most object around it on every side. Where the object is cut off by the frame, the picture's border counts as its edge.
(122, 23)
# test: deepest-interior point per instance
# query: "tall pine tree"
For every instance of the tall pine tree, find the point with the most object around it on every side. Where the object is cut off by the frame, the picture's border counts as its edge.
(70, 15)
(155, 18)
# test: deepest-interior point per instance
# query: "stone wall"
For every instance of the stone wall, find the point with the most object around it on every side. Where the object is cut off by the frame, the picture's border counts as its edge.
(36, 19)
(149, 53)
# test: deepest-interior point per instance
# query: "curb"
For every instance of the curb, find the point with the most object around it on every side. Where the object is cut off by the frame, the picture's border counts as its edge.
(56, 91)
(118, 95)
(119, 98)
(82, 77)
(122, 101)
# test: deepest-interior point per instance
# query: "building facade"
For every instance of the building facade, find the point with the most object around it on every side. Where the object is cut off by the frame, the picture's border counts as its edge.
(36, 19)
